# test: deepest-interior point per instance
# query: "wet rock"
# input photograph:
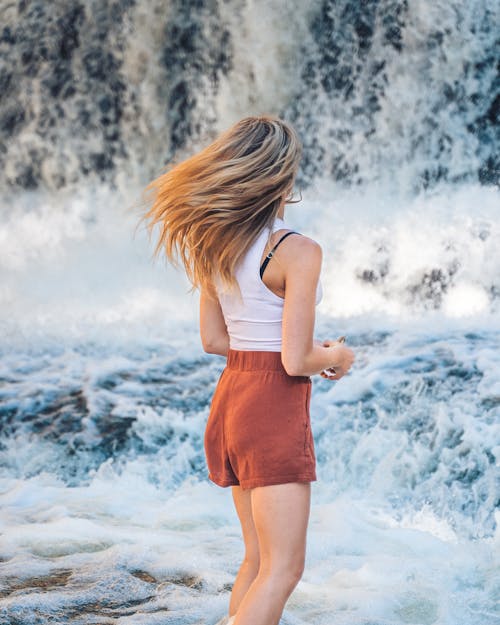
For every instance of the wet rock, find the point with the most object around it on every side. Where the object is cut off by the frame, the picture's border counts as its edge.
(12, 120)
(146, 577)
(71, 56)
(69, 26)
(80, 61)
(190, 581)
(49, 582)
(196, 52)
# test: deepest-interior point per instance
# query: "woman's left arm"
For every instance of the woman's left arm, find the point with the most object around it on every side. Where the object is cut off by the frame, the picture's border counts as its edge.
(213, 331)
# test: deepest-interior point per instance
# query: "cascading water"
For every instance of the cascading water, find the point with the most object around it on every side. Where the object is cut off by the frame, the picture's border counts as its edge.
(105, 510)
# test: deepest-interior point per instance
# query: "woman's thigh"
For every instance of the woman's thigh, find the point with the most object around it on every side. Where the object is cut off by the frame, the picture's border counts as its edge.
(243, 504)
(281, 515)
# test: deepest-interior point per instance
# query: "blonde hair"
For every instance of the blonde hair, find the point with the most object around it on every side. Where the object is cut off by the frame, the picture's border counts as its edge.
(212, 206)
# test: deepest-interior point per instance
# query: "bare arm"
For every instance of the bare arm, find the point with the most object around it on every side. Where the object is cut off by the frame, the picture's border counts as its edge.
(213, 331)
(301, 353)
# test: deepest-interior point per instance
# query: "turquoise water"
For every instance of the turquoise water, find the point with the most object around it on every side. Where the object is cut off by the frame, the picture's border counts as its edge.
(106, 513)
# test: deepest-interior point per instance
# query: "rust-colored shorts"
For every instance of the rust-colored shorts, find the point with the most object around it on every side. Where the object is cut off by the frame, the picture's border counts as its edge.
(258, 430)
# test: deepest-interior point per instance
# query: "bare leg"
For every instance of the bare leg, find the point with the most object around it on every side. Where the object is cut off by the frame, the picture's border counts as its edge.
(281, 515)
(250, 565)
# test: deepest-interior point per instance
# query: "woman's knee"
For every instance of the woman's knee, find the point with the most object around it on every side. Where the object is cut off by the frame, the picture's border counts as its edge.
(251, 559)
(295, 571)
(251, 562)
(285, 573)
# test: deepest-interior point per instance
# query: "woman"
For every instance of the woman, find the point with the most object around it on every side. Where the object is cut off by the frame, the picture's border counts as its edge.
(222, 212)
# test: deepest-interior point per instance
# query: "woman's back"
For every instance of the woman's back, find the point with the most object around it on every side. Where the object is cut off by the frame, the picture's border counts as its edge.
(254, 321)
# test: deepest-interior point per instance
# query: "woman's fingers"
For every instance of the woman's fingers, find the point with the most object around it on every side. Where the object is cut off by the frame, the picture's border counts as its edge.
(335, 374)
(330, 343)
(333, 342)
(331, 374)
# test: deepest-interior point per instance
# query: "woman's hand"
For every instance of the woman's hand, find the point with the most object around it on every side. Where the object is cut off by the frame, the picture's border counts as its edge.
(344, 357)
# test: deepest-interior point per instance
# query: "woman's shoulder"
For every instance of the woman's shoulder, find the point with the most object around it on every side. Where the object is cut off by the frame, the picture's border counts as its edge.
(301, 258)
(302, 244)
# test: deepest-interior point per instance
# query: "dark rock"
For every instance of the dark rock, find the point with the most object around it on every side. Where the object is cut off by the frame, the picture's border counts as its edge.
(5, 82)
(7, 36)
(100, 64)
(101, 161)
(489, 172)
(432, 286)
(58, 81)
(69, 25)
(12, 120)
(196, 52)
(493, 112)
(71, 55)
(28, 178)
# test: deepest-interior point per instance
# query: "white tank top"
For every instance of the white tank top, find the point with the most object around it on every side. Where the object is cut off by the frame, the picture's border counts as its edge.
(254, 322)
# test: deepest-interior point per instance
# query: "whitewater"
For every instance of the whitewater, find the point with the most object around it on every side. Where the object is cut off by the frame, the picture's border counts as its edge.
(106, 512)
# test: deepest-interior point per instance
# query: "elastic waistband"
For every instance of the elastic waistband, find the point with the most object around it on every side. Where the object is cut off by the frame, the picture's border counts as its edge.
(249, 360)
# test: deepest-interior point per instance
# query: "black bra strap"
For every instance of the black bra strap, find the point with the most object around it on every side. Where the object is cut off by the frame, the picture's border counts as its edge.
(270, 255)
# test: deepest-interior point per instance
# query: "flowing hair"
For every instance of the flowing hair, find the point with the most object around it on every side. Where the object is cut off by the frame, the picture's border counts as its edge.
(211, 207)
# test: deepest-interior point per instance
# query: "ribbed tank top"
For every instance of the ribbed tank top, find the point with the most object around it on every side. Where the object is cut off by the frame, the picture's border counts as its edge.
(254, 322)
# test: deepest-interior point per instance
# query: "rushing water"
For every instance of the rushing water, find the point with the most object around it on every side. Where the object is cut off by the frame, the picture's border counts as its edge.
(106, 514)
